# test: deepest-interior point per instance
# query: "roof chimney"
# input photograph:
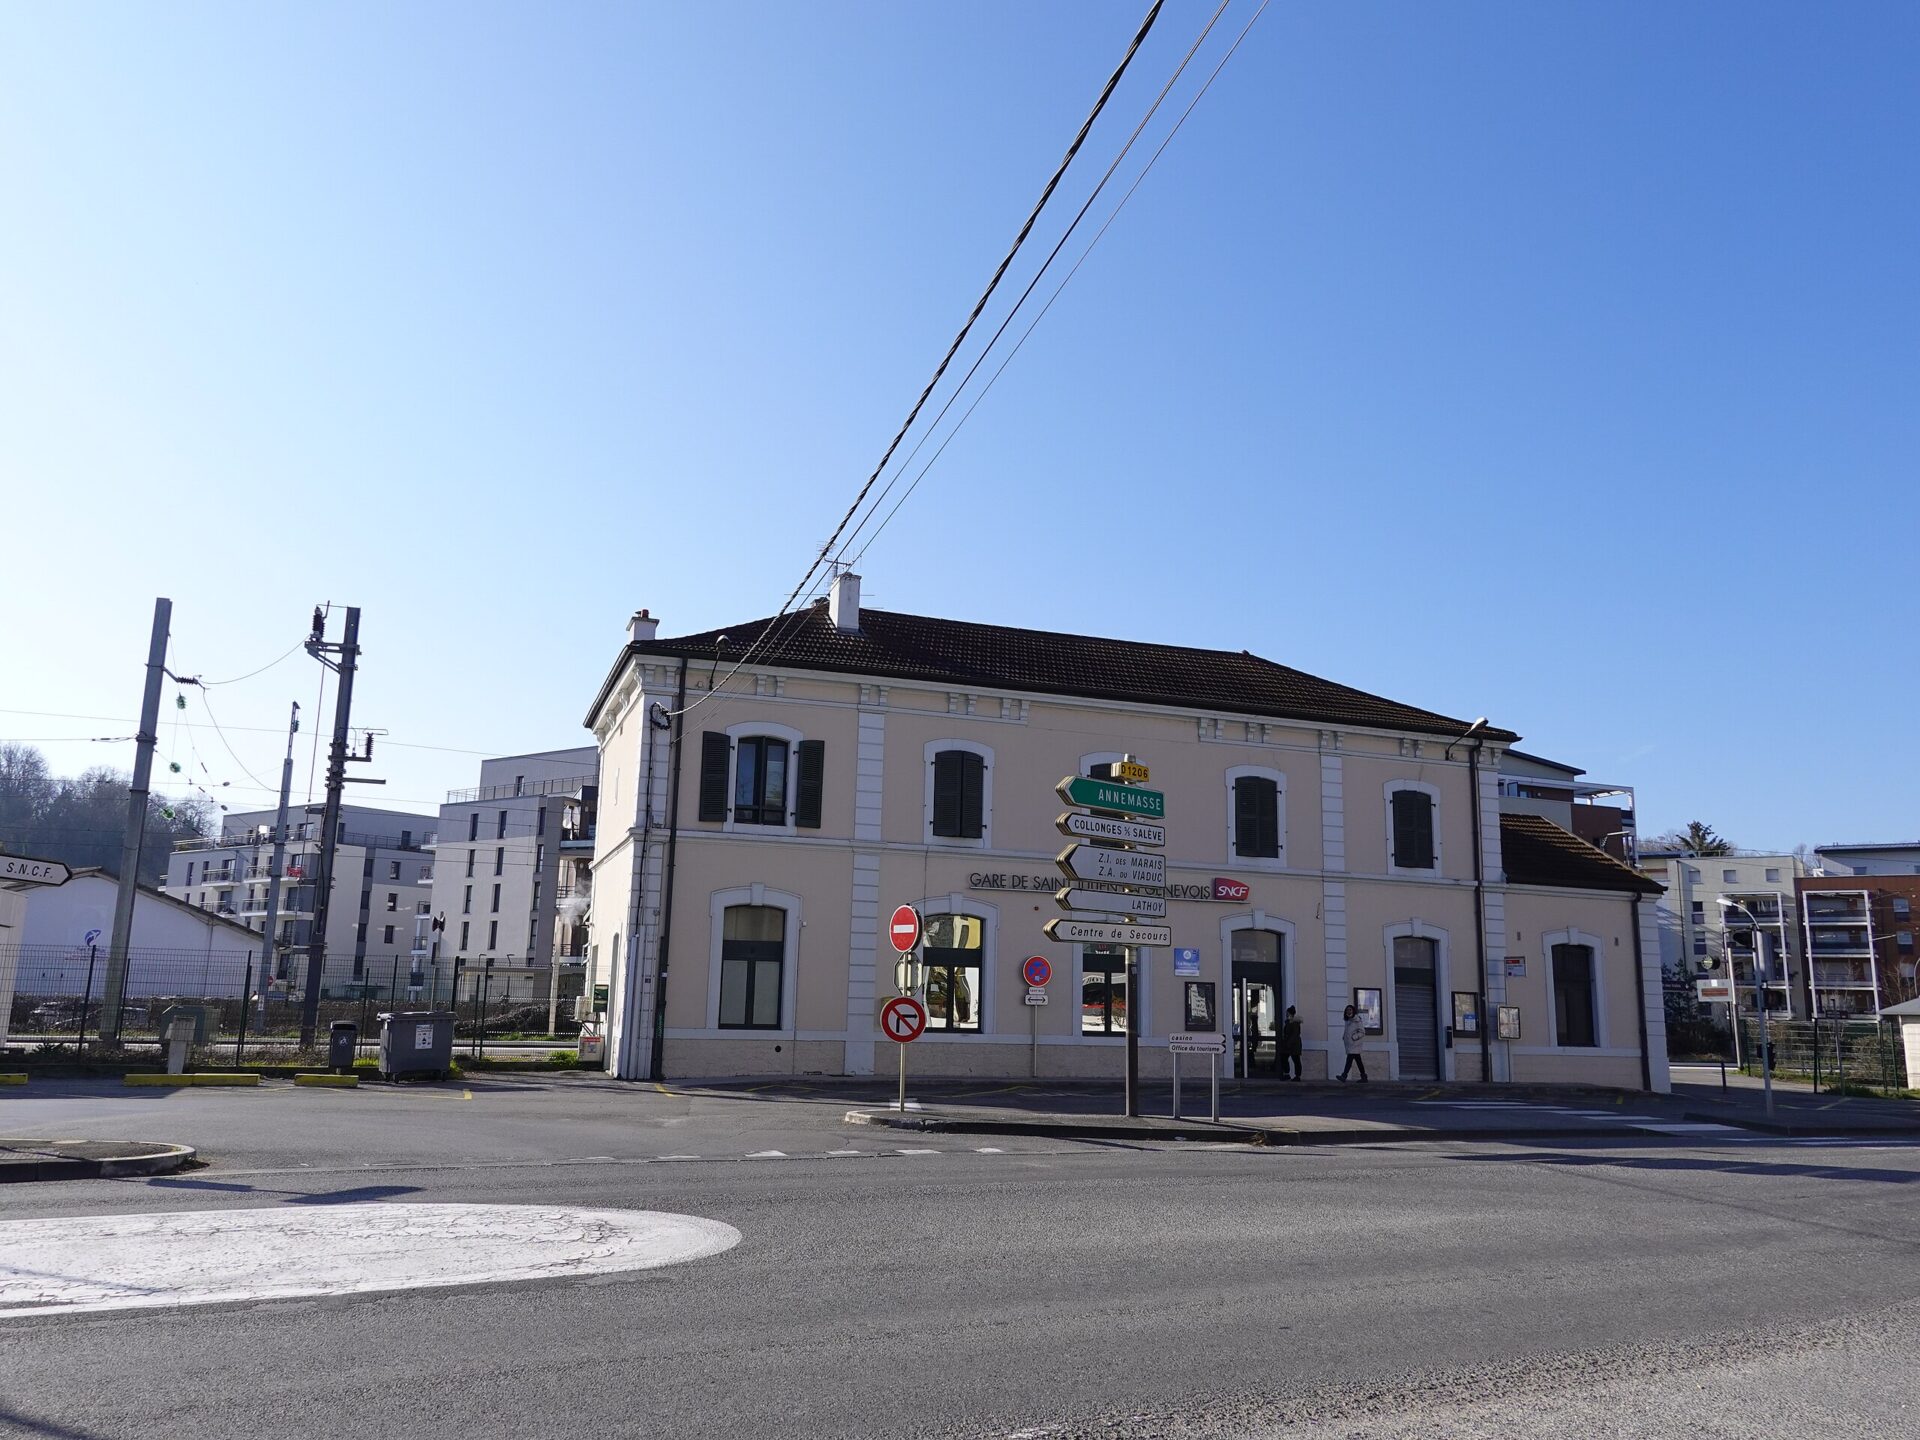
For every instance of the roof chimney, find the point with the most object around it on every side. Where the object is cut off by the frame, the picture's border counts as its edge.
(642, 628)
(843, 605)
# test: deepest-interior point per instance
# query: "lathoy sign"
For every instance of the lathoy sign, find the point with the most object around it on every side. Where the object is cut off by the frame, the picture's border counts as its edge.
(904, 928)
(903, 1018)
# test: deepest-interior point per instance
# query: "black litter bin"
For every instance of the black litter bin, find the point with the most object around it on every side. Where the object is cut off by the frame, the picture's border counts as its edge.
(343, 1042)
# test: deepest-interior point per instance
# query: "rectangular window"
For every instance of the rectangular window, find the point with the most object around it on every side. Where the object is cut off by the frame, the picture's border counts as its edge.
(954, 952)
(386, 935)
(1904, 939)
(422, 907)
(466, 902)
(493, 934)
(1729, 877)
(1902, 907)
(1699, 944)
(959, 794)
(1699, 911)
(499, 859)
(760, 781)
(1413, 830)
(393, 900)
(540, 821)
(1103, 990)
(752, 953)
(1256, 817)
(496, 897)
(189, 873)
(360, 933)
(393, 870)
(500, 830)
(463, 934)
(1573, 995)
(1773, 875)
(473, 826)
(470, 855)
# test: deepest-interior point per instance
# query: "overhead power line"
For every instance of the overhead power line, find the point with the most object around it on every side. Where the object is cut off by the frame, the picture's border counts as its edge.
(1065, 280)
(1046, 194)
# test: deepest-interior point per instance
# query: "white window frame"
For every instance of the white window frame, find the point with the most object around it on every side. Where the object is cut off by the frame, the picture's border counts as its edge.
(1387, 793)
(957, 842)
(748, 730)
(1257, 862)
(1598, 946)
(988, 914)
(1098, 1037)
(717, 906)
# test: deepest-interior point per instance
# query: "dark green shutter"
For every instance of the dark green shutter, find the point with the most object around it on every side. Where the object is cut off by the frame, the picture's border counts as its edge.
(1412, 830)
(1256, 817)
(811, 786)
(716, 754)
(973, 800)
(946, 792)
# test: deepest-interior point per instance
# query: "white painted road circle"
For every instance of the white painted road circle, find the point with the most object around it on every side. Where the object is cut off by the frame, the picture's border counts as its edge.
(206, 1257)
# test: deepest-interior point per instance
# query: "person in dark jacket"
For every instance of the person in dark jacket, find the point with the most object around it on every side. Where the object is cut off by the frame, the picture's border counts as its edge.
(1290, 1045)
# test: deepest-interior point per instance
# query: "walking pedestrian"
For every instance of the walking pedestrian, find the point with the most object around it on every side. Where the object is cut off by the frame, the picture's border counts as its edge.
(1353, 1035)
(1290, 1045)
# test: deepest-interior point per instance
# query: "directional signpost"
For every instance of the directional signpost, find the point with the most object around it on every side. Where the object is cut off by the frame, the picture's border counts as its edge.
(24, 870)
(1117, 878)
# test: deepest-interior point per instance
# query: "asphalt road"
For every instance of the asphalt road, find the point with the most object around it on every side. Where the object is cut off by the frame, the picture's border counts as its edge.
(1037, 1288)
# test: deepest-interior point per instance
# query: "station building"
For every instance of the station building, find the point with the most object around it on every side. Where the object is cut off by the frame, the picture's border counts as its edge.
(1325, 847)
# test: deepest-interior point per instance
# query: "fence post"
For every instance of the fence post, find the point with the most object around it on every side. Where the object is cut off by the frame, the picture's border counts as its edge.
(86, 999)
(1816, 1054)
(246, 1004)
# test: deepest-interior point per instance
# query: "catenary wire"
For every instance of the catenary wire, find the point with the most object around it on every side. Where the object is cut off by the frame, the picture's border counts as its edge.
(261, 671)
(934, 425)
(859, 499)
(1065, 280)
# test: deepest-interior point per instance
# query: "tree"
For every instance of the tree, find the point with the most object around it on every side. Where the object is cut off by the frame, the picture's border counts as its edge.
(82, 819)
(1698, 838)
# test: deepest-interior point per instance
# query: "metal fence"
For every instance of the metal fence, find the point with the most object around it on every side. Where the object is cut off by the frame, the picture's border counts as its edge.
(1829, 1053)
(56, 999)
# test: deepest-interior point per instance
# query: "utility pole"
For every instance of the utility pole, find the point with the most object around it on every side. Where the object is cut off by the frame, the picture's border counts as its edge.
(348, 651)
(113, 993)
(276, 867)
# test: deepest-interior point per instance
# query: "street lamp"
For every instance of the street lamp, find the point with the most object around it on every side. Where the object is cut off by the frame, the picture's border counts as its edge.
(1727, 902)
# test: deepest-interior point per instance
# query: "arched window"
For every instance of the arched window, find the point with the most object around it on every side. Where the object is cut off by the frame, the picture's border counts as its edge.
(752, 956)
(955, 951)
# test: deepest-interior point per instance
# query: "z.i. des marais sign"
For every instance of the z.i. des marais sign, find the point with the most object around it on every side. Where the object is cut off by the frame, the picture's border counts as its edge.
(1219, 890)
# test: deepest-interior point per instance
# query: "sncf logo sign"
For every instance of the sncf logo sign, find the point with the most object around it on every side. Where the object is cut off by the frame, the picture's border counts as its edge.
(1230, 889)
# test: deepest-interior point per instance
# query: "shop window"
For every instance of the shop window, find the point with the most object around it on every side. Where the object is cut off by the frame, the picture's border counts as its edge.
(1412, 841)
(955, 950)
(753, 944)
(1103, 990)
(959, 795)
(1573, 995)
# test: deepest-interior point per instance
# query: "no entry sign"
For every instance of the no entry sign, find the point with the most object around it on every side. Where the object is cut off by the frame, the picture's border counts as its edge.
(1038, 970)
(903, 1018)
(904, 930)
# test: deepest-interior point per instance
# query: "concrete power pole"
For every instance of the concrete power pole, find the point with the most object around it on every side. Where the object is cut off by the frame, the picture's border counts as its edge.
(114, 993)
(277, 866)
(348, 649)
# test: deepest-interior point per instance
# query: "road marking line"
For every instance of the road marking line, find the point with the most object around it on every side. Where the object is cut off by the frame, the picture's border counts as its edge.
(990, 1150)
(767, 1155)
(676, 1157)
(916, 1152)
(846, 1152)
(202, 1257)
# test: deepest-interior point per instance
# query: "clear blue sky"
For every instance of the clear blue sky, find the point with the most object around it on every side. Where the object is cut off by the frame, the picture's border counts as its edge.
(1557, 363)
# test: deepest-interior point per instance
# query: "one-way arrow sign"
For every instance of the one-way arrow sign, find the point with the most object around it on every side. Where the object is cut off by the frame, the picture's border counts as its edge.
(27, 871)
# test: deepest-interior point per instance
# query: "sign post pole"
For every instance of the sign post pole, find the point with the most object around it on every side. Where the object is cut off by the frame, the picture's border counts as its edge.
(1133, 1030)
(1176, 1084)
(1213, 1064)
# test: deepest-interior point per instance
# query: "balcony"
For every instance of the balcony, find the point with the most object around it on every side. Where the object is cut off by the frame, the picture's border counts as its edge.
(577, 837)
(1857, 975)
(565, 785)
(1836, 909)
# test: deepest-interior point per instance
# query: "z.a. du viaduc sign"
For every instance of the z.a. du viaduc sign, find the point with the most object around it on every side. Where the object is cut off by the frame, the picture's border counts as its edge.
(1221, 889)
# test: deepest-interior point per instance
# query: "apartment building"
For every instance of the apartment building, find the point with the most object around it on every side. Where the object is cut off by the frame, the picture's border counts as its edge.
(1859, 932)
(1601, 814)
(512, 877)
(1762, 909)
(382, 866)
(769, 792)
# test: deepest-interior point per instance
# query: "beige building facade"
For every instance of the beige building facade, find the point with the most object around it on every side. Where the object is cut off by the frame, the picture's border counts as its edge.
(1323, 846)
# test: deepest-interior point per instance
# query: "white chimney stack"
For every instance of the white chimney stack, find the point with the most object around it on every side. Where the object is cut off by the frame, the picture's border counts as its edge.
(642, 628)
(843, 604)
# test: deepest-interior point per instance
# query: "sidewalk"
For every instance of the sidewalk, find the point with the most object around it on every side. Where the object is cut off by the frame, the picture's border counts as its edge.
(1276, 1113)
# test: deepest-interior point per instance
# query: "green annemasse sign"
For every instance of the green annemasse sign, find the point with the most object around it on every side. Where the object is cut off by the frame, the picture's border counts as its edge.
(1105, 795)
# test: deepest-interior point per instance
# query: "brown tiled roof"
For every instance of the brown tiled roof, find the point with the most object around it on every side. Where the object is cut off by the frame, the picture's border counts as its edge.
(1535, 851)
(1001, 657)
